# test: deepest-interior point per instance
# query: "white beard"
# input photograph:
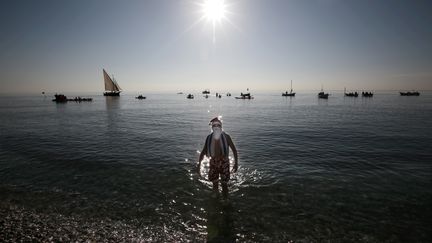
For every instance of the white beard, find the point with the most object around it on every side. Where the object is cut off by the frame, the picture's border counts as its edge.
(217, 132)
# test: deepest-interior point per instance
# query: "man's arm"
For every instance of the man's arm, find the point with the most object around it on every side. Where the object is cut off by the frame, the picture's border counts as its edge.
(234, 150)
(201, 156)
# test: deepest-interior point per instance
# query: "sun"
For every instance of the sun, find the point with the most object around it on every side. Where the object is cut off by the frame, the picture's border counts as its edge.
(214, 10)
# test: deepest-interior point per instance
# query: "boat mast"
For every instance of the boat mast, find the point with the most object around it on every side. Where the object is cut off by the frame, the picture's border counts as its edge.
(291, 86)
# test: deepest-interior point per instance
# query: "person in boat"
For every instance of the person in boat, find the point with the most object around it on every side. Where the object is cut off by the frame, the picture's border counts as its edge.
(216, 147)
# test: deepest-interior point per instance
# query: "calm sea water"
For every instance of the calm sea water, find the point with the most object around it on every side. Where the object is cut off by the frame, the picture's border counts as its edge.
(342, 169)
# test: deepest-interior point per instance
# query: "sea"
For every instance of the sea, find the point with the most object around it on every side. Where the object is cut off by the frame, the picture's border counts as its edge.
(119, 169)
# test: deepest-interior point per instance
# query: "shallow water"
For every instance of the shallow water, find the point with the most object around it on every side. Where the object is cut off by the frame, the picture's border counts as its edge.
(344, 169)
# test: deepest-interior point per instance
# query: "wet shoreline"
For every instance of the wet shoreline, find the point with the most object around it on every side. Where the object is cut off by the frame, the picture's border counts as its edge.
(18, 224)
(44, 217)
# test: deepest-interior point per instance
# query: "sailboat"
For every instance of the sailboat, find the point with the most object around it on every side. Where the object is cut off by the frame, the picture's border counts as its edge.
(111, 86)
(290, 93)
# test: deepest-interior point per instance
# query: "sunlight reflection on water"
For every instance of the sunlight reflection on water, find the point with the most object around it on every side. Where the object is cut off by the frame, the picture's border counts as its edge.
(309, 170)
(244, 176)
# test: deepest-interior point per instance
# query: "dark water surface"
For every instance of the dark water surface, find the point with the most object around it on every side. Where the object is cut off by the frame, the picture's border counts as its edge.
(342, 169)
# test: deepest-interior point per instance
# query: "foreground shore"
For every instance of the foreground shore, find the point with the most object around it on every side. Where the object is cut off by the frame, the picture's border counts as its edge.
(18, 224)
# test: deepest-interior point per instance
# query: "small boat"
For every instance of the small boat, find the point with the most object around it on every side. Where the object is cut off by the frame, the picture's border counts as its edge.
(246, 96)
(111, 86)
(207, 91)
(180, 93)
(413, 93)
(350, 94)
(367, 94)
(322, 95)
(228, 94)
(288, 94)
(140, 97)
(291, 94)
(79, 99)
(61, 98)
(190, 96)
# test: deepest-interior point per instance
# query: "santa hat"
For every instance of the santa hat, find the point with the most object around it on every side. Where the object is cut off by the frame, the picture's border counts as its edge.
(215, 121)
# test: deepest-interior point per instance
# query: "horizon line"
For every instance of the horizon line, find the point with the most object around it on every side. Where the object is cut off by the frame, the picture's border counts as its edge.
(193, 92)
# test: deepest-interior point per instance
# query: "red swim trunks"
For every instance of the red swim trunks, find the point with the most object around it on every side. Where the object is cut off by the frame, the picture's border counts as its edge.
(219, 166)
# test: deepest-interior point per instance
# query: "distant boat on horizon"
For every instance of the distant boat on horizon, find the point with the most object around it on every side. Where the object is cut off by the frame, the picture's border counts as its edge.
(207, 91)
(367, 94)
(323, 95)
(413, 93)
(111, 86)
(61, 98)
(245, 96)
(350, 94)
(290, 93)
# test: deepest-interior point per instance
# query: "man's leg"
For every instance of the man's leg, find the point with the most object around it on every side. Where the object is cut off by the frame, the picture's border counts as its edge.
(225, 176)
(224, 189)
(213, 175)
(215, 185)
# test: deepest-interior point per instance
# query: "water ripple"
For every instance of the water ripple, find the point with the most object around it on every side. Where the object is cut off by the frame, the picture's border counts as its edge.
(125, 170)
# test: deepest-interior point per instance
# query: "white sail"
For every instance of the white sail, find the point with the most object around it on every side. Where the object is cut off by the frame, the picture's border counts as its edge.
(116, 86)
(110, 85)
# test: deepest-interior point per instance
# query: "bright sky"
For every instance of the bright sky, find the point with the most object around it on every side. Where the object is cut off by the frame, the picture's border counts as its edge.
(169, 45)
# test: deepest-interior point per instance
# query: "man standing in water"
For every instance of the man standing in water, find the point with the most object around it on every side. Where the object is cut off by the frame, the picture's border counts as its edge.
(217, 147)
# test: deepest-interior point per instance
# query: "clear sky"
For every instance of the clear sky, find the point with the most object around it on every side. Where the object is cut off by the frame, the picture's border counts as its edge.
(160, 45)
